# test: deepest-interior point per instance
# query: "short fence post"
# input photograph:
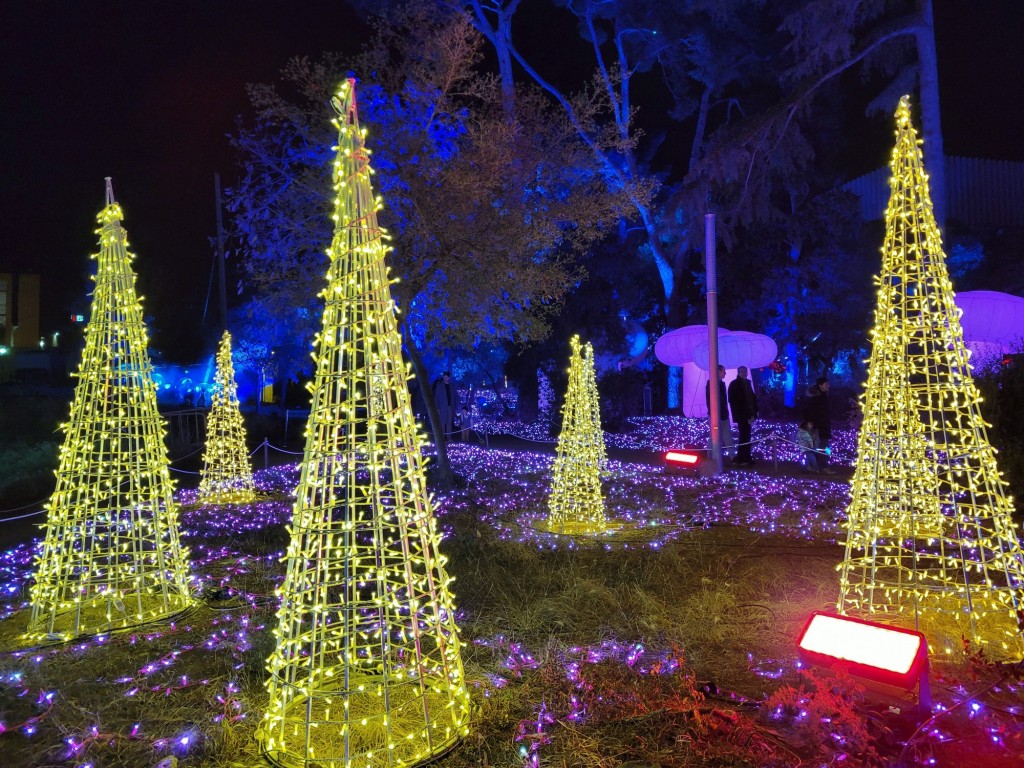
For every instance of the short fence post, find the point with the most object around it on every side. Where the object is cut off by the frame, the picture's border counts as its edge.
(266, 454)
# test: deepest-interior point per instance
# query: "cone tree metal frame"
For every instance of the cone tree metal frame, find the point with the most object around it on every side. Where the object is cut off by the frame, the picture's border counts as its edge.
(111, 556)
(368, 669)
(227, 476)
(576, 505)
(929, 530)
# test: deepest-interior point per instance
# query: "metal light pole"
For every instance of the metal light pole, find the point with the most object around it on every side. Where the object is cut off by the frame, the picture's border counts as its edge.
(711, 280)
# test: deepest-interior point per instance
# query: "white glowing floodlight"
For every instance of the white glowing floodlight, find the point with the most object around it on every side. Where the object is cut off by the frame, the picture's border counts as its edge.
(682, 461)
(890, 656)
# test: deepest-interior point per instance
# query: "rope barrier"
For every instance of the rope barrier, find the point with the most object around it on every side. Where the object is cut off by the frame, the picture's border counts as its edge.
(24, 506)
(33, 514)
(264, 444)
(481, 434)
(21, 517)
(521, 437)
(279, 450)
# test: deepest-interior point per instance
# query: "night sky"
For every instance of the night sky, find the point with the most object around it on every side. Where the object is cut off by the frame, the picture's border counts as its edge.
(146, 91)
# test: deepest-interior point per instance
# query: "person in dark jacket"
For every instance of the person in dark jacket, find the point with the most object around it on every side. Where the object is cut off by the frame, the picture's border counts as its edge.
(817, 409)
(724, 430)
(447, 401)
(743, 404)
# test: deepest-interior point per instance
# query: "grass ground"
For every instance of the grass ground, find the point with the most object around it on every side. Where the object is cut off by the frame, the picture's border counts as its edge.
(672, 648)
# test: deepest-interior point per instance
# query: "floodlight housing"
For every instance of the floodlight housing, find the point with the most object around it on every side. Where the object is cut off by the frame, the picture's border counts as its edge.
(682, 460)
(879, 653)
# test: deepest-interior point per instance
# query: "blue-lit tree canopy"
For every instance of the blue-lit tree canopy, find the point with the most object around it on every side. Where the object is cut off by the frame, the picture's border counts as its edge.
(486, 210)
(690, 107)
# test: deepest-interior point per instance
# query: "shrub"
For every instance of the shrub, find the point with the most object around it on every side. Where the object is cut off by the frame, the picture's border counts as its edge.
(27, 474)
(622, 396)
(1002, 391)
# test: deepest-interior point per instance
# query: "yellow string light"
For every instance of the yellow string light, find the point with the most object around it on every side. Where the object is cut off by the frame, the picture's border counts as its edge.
(929, 531)
(227, 476)
(111, 556)
(576, 504)
(367, 670)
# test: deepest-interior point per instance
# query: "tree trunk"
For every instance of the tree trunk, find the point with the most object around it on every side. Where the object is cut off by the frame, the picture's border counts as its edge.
(792, 350)
(697, 147)
(625, 176)
(501, 43)
(675, 317)
(792, 374)
(446, 477)
(499, 34)
(931, 115)
(505, 409)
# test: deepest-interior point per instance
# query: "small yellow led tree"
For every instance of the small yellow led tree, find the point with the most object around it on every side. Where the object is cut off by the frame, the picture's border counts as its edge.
(929, 531)
(227, 476)
(111, 557)
(576, 505)
(368, 669)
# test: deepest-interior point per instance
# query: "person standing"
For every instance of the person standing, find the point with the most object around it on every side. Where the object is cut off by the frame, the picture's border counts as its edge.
(818, 410)
(465, 424)
(445, 397)
(743, 404)
(724, 428)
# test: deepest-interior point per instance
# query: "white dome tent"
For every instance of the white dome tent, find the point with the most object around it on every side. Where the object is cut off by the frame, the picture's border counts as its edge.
(675, 348)
(993, 324)
(688, 347)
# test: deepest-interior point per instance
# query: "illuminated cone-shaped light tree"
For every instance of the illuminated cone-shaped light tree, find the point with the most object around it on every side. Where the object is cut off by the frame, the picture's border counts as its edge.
(227, 476)
(929, 529)
(111, 558)
(367, 670)
(576, 504)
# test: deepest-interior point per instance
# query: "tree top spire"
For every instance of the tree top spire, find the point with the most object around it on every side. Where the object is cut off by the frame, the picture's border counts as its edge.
(344, 103)
(111, 210)
(903, 113)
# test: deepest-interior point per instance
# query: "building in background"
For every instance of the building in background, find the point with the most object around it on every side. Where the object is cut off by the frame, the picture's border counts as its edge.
(19, 311)
(25, 354)
(979, 192)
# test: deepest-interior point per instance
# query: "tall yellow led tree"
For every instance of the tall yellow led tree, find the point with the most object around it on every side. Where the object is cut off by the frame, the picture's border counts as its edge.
(111, 557)
(576, 504)
(368, 669)
(929, 531)
(227, 476)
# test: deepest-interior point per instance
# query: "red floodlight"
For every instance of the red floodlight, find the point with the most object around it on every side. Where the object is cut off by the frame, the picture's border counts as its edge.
(682, 459)
(891, 656)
